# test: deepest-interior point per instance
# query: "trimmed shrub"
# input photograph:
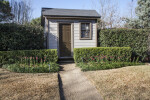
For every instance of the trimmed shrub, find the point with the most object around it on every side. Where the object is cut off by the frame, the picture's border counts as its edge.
(86, 53)
(16, 55)
(137, 39)
(91, 66)
(41, 68)
(20, 37)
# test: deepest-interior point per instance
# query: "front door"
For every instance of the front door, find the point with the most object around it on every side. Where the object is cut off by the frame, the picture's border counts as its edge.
(65, 40)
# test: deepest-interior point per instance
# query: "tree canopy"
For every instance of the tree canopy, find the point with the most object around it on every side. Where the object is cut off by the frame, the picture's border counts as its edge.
(143, 13)
(5, 11)
(143, 16)
(36, 21)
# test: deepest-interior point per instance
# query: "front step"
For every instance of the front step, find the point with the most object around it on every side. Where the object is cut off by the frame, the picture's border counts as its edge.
(65, 60)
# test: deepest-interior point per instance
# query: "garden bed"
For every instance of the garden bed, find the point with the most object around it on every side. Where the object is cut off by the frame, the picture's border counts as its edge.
(91, 66)
(101, 58)
(30, 61)
(37, 68)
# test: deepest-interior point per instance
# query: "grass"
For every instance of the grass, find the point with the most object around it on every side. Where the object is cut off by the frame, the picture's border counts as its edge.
(28, 86)
(128, 83)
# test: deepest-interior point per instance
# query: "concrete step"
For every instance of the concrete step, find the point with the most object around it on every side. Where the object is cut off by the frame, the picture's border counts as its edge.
(65, 60)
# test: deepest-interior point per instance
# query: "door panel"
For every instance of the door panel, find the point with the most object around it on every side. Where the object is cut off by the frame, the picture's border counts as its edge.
(65, 40)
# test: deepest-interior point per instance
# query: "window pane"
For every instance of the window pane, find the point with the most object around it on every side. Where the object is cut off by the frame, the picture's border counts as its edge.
(83, 26)
(82, 34)
(85, 34)
(85, 30)
(87, 26)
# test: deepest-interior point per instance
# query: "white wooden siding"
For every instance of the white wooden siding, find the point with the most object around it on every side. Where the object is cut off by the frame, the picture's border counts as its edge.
(53, 34)
(53, 38)
(84, 43)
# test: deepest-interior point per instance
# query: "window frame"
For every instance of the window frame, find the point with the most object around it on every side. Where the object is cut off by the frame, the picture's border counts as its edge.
(90, 35)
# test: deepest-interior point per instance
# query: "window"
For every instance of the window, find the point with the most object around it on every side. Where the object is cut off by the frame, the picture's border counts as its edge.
(85, 31)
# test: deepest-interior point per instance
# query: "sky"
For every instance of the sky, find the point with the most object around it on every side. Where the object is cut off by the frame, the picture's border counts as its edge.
(74, 4)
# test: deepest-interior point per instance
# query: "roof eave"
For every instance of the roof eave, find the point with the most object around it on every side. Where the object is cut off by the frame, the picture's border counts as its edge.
(72, 16)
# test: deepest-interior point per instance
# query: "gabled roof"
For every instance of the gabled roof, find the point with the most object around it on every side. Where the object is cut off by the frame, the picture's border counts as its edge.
(69, 12)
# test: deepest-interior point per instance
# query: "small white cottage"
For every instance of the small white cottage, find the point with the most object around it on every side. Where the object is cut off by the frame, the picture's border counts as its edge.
(66, 29)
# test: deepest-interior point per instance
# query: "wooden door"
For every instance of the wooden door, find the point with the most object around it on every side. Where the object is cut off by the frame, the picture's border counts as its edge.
(65, 40)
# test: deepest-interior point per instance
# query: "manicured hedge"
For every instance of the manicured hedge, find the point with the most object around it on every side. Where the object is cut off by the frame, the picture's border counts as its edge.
(84, 53)
(16, 55)
(21, 37)
(137, 39)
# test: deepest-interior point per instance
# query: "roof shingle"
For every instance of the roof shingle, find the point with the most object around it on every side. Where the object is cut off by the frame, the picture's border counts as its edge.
(70, 12)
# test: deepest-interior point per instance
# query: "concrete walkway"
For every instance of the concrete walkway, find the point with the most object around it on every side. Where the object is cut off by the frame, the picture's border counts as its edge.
(75, 85)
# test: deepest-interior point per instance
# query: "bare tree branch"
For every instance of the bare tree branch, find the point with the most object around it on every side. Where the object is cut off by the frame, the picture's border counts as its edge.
(110, 17)
(22, 10)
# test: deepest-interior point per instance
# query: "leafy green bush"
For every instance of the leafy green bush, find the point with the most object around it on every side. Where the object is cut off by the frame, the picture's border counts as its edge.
(20, 37)
(137, 39)
(17, 55)
(81, 54)
(41, 68)
(90, 66)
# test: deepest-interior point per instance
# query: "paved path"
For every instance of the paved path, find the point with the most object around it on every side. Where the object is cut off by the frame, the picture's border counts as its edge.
(76, 86)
